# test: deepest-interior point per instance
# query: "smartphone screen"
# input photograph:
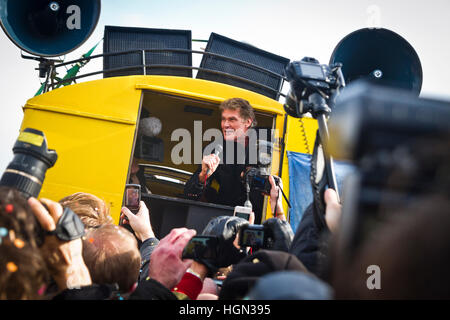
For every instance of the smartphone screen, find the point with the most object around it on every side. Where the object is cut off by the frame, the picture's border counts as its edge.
(242, 212)
(132, 196)
(201, 247)
(243, 215)
(252, 236)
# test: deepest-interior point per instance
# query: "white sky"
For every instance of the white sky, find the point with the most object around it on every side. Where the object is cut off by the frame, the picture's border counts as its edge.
(290, 28)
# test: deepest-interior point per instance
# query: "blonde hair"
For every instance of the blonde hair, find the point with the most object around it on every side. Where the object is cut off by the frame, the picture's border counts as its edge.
(92, 210)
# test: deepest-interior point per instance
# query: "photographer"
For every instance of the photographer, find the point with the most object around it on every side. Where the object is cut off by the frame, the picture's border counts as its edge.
(228, 250)
(23, 271)
(142, 228)
(64, 258)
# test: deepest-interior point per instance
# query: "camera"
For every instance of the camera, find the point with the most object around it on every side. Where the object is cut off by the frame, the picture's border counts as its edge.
(243, 212)
(133, 197)
(308, 77)
(399, 144)
(314, 89)
(201, 247)
(259, 181)
(32, 158)
(257, 175)
(256, 236)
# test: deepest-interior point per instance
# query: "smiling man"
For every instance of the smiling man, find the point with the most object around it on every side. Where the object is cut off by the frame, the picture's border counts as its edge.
(221, 183)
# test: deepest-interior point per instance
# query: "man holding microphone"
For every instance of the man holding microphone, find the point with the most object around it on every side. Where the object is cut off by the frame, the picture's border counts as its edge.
(222, 183)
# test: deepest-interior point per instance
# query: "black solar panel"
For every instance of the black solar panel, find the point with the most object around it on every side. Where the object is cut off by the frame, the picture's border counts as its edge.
(230, 48)
(118, 39)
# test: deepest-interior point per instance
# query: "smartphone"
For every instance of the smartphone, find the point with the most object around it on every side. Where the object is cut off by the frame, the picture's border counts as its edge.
(243, 212)
(201, 247)
(132, 197)
(255, 236)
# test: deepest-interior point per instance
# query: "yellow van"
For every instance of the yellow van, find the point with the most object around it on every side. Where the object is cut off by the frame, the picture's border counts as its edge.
(94, 125)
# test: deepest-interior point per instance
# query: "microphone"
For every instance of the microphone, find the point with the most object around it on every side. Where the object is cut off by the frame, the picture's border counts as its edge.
(218, 150)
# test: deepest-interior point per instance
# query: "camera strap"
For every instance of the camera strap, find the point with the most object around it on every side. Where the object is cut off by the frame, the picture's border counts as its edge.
(319, 182)
(69, 226)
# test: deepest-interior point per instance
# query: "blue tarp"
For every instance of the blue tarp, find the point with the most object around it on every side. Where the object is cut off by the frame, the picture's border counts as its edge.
(300, 190)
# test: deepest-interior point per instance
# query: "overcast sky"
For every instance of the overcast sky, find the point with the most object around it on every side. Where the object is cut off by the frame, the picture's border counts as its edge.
(290, 28)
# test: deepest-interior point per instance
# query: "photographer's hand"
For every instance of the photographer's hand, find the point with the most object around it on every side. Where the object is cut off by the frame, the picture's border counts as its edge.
(282, 234)
(226, 228)
(333, 210)
(139, 222)
(64, 258)
(166, 265)
(276, 198)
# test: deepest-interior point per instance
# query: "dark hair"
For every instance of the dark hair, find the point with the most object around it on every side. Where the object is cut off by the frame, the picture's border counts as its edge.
(245, 109)
(16, 215)
(23, 270)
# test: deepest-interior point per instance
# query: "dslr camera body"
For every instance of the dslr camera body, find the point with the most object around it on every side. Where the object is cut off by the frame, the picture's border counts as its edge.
(256, 236)
(313, 87)
(257, 175)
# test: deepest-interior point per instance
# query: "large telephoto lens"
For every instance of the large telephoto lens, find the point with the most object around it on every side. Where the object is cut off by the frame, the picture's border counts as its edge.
(26, 172)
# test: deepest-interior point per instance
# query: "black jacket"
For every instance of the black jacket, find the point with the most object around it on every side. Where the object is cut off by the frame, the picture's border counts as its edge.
(310, 245)
(146, 250)
(226, 185)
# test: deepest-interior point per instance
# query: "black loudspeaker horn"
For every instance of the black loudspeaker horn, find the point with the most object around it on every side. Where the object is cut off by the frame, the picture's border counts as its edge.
(49, 28)
(381, 56)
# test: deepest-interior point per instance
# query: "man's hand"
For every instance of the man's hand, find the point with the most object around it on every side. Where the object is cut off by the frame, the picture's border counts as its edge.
(209, 165)
(333, 210)
(166, 265)
(139, 222)
(276, 198)
(64, 258)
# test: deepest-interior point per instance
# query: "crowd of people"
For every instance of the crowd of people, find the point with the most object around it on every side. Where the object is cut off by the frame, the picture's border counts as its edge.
(73, 250)
(106, 261)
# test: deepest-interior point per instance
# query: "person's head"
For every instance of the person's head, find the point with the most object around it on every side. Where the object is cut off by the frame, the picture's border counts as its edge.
(16, 215)
(134, 166)
(237, 117)
(92, 211)
(112, 256)
(249, 270)
(23, 272)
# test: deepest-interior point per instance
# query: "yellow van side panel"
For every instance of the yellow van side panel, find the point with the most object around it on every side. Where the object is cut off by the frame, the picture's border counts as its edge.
(92, 128)
(301, 134)
(205, 90)
(300, 137)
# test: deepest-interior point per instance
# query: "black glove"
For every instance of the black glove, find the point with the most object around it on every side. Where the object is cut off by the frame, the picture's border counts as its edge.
(225, 228)
(281, 232)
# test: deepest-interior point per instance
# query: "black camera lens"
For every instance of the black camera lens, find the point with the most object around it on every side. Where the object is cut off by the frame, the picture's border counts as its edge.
(32, 158)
